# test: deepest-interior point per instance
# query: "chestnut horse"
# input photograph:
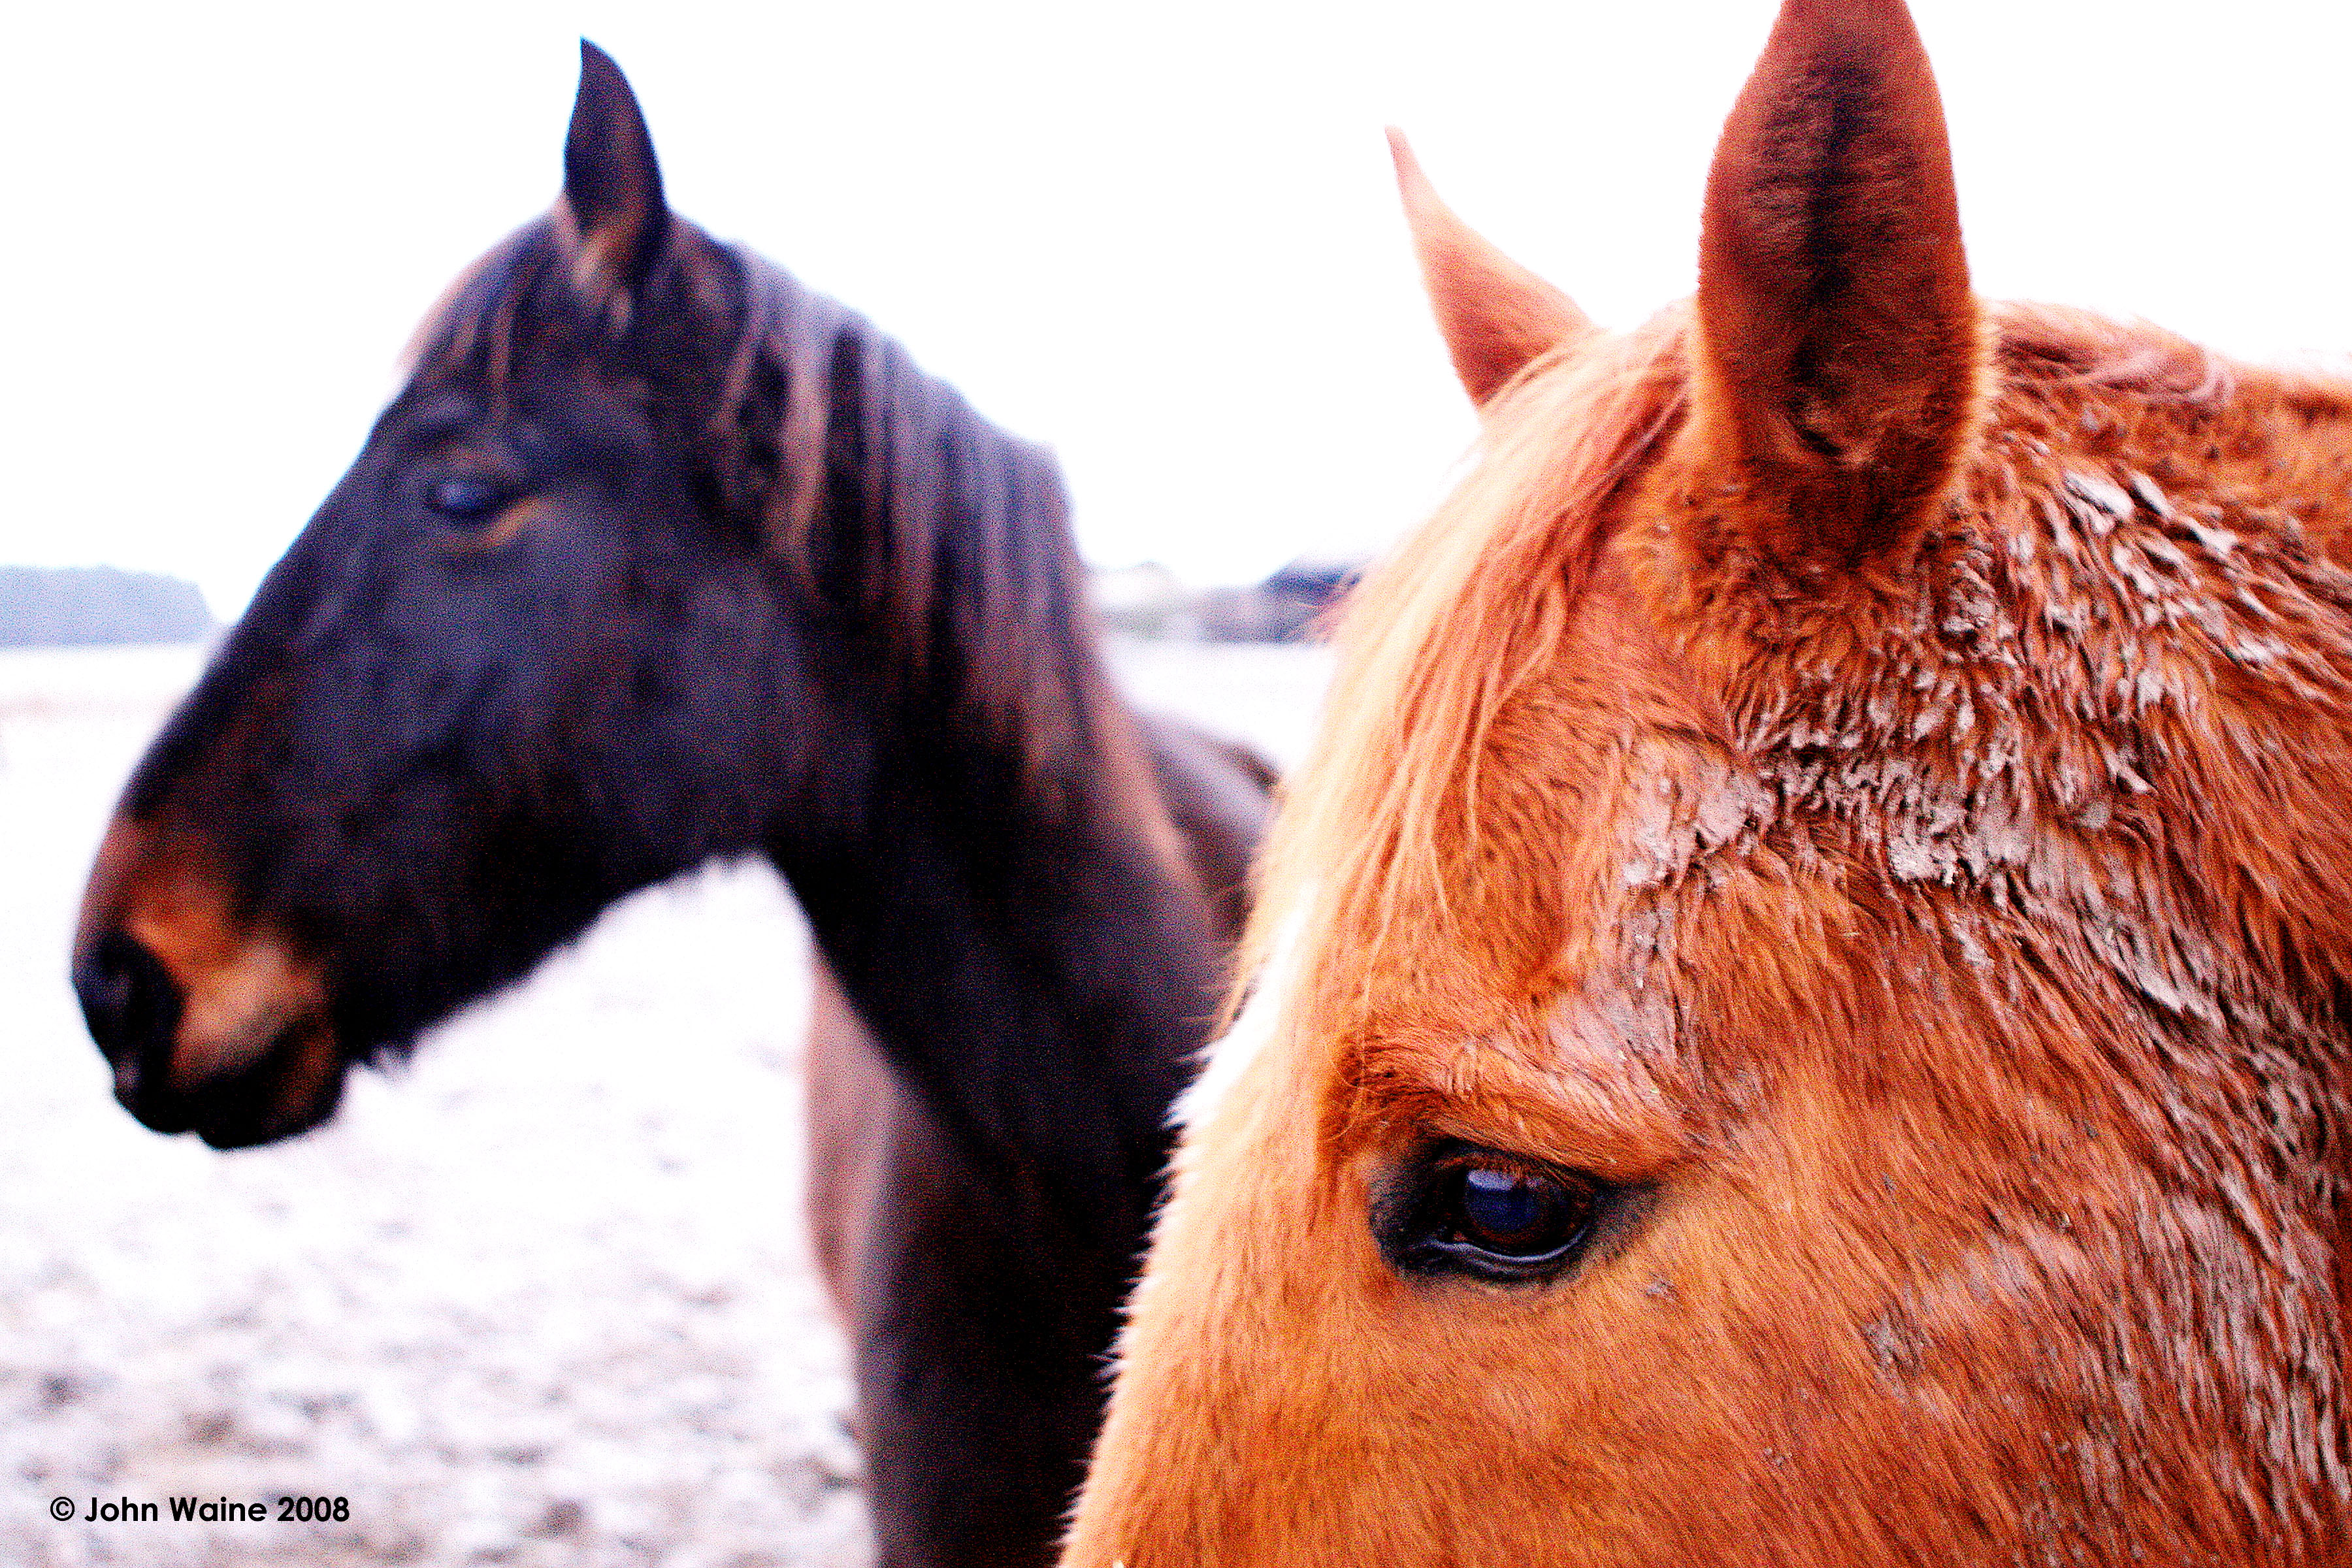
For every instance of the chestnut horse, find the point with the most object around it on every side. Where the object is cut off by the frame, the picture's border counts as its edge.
(1802, 1012)
(660, 557)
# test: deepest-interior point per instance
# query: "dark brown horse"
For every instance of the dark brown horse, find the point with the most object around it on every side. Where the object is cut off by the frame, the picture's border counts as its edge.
(660, 557)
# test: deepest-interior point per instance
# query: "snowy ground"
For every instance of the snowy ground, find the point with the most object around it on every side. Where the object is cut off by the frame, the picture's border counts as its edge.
(542, 1297)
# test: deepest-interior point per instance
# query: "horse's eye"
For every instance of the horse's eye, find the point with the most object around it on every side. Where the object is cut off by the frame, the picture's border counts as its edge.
(1459, 1209)
(1515, 1215)
(465, 498)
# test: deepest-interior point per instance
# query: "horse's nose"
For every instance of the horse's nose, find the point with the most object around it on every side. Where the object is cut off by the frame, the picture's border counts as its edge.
(133, 1007)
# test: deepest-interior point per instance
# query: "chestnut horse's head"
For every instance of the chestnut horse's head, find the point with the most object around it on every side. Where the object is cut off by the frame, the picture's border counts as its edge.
(550, 640)
(1802, 1016)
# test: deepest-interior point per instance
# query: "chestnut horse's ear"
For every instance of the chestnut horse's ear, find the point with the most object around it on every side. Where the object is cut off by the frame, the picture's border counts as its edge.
(612, 185)
(1494, 315)
(1840, 352)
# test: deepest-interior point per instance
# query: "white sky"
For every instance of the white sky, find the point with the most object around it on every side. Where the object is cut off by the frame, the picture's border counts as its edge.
(1163, 239)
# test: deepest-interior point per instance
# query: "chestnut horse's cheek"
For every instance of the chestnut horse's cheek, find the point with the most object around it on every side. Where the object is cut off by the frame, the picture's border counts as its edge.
(1286, 1398)
(1229, 1428)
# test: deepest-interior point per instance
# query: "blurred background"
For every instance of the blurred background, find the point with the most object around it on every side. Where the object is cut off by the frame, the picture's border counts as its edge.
(543, 1297)
(1162, 238)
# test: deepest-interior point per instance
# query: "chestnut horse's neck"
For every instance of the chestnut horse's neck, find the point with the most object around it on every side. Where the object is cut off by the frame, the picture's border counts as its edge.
(978, 839)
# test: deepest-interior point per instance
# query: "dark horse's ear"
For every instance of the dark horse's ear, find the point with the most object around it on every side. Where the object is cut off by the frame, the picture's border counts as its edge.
(1494, 315)
(1841, 356)
(612, 186)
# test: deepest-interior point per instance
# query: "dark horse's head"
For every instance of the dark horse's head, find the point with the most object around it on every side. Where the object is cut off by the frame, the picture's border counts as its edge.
(548, 642)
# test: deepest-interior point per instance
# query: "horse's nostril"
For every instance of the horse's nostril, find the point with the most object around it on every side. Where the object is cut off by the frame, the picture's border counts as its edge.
(132, 1005)
(103, 986)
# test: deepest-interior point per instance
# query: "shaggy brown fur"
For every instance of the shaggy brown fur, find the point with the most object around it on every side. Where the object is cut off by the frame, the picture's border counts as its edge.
(1856, 778)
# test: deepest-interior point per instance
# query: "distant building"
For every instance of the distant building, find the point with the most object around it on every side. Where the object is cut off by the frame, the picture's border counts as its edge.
(55, 606)
(1294, 604)
(1146, 601)
(1291, 605)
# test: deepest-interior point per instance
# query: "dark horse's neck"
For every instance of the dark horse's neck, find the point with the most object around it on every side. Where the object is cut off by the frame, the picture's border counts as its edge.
(976, 837)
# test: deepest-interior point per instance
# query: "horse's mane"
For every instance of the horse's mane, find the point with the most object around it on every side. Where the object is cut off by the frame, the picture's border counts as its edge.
(1484, 594)
(952, 515)
(892, 504)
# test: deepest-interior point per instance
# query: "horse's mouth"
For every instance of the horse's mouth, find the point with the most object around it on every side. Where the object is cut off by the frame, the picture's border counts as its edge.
(212, 1024)
(291, 1085)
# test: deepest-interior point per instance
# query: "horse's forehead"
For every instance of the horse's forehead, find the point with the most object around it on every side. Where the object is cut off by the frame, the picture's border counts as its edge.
(1979, 720)
(1967, 739)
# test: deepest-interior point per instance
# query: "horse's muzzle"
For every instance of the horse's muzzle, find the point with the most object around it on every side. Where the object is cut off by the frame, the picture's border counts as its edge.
(287, 1080)
(212, 1024)
(132, 1008)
